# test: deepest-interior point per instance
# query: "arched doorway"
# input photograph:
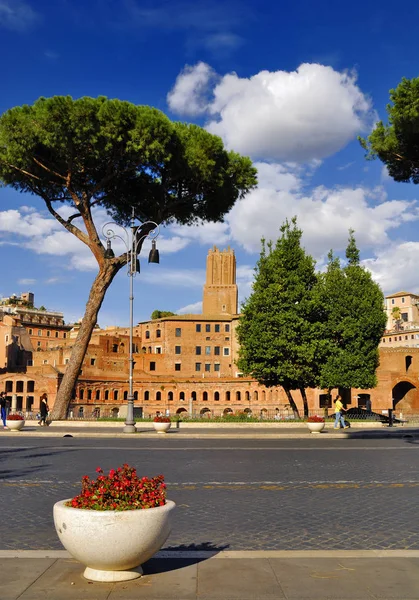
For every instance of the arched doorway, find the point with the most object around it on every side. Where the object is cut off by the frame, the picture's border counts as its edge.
(404, 395)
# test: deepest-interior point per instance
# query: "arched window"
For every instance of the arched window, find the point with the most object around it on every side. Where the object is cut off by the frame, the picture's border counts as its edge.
(89, 394)
(216, 396)
(182, 396)
(255, 396)
(147, 335)
(81, 411)
(143, 349)
(193, 394)
(97, 395)
(125, 395)
(247, 396)
(238, 396)
(81, 394)
(115, 395)
(146, 395)
(158, 395)
(106, 394)
(158, 333)
(170, 396)
(227, 396)
(408, 362)
(205, 397)
(135, 395)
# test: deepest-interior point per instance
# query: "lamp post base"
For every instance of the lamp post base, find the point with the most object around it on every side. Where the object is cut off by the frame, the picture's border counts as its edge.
(129, 429)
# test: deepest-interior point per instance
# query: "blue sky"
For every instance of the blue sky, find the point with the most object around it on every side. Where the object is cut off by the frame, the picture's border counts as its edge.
(289, 84)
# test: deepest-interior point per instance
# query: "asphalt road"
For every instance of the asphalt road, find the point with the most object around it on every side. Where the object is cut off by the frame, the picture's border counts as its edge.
(235, 494)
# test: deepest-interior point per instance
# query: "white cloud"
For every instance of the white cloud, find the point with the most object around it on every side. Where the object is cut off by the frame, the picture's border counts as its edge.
(325, 215)
(26, 223)
(190, 309)
(222, 42)
(187, 278)
(395, 268)
(26, 281)
(297, 116)
(17, 15)
(205, 234)
(189, 95)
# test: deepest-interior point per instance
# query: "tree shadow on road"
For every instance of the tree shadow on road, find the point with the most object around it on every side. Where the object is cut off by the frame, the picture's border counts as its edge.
(24, 470)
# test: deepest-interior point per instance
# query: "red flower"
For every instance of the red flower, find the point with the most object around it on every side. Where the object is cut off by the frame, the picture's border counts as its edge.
(121, 489)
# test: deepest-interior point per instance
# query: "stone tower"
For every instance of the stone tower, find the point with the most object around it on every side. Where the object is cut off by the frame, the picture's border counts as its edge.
(220, 289)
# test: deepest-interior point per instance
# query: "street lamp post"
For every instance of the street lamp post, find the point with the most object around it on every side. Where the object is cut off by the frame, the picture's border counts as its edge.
(133, 238)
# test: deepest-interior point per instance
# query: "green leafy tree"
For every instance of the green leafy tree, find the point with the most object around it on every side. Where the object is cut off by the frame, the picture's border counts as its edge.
(99, 152)
(159, 314)
(279, 330)
(354, 322)
(396, 143)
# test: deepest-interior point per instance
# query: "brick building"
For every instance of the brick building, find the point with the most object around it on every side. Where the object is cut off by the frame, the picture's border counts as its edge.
(182, 363)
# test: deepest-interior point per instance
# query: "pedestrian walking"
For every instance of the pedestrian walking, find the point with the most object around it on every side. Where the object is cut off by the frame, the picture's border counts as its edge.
(3, 408)
(339, 410)
(43, 409)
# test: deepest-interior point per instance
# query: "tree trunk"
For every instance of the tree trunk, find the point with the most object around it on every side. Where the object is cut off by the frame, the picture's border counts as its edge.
(305, 403)
(97, 293)
(292, 403)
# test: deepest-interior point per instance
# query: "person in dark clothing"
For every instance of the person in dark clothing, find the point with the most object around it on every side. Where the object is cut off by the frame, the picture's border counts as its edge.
(3, 408)
(43, 409)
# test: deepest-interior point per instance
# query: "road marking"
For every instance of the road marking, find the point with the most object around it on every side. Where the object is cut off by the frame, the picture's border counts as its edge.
(242, 485)
(213, 449)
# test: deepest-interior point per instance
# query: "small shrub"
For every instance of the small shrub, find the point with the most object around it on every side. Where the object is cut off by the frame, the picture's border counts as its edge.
(14, 417)
(161, 419)
(315, 419)
(121, 489)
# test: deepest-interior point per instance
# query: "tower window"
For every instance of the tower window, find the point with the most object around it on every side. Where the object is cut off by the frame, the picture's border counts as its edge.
(208, 327)
(198, 327)
(178, 331)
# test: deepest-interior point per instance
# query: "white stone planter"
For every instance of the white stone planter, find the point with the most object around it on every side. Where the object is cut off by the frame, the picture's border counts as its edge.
(112, 544)
(316, 427)
(15, 425)
(162, 427)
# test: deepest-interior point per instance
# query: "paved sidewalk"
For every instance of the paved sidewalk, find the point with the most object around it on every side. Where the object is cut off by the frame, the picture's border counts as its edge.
(344, 575)
(190, 432)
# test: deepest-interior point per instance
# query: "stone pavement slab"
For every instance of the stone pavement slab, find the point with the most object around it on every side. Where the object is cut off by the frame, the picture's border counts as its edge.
(224, 576)
(357, 431)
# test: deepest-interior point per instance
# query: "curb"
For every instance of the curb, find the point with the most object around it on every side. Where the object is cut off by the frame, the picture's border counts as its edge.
(236, 554)
(354, 434)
